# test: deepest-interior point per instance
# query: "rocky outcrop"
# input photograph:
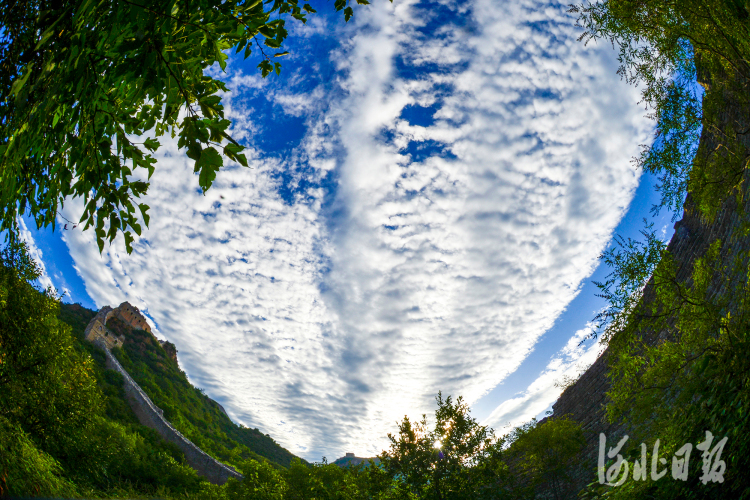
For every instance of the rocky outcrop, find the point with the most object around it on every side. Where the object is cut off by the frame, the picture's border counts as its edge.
(350, 459)
(171, 350)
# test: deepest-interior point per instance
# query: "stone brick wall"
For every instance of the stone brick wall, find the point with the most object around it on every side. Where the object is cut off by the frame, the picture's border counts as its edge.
(97, 329)
(585, 400)
(152, 416)
(125, 312)
(130, 315)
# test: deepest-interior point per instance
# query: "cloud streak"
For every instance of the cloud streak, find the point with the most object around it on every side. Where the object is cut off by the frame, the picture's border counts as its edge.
(36, 254)
(566, 366)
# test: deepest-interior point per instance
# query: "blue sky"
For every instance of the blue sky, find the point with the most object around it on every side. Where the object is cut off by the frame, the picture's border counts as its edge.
(432, 184)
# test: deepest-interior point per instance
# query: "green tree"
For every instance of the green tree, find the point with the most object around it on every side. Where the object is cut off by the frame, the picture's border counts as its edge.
(318, 482)
(543, 453)
(80, 80)
(46, 385)
(326, 481)
(26, 470)
(261, 482)
(678, 367)
(372, 482)
(676, 340)
(663, 45)
(457, 459)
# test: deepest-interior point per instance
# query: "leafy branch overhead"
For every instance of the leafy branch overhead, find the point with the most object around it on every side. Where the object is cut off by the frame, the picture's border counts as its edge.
(79, 80)
(665, 47)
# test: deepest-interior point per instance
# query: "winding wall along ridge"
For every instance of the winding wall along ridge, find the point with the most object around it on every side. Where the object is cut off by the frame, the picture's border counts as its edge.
(152, 416)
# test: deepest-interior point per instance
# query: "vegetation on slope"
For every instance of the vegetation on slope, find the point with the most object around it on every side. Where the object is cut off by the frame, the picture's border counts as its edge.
(188, 409)
(677, 346)
(66, 428)
(55, 436)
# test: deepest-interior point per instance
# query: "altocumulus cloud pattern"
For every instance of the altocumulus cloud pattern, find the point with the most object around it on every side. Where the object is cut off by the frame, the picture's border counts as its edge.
(431, 184)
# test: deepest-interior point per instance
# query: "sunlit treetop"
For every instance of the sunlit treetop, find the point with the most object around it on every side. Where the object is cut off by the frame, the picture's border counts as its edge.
(80, 80)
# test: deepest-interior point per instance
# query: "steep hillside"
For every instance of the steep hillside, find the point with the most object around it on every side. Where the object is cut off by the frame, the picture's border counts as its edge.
(188, 409)
(689, 333)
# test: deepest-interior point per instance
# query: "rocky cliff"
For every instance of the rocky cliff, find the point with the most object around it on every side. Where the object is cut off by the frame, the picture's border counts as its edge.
(585, 400)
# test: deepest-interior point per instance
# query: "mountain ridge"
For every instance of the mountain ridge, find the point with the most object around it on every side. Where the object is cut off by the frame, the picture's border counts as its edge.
(156, 371)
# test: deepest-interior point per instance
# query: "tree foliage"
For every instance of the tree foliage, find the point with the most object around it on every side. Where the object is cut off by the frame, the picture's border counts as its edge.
(46, 385)
(676, 339)
(88, 87)
(542, 453)
(457, 459)
(678, 367)
(632, 263)
(26, 470)
(663, 45)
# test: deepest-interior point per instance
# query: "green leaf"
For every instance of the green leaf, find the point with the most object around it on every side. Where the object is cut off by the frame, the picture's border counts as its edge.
(241, 45)
(144, 208)
(129, 241)
(233, 151)
(348, 13)
(265, 68)
(211, 100)
(279, 54)
(208, 164)
(241, 159)
(152, 144)
(100, 239)
(18, 84)
(309, 9)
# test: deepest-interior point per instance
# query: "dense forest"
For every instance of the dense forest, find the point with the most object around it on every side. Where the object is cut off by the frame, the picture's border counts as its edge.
(677, 331)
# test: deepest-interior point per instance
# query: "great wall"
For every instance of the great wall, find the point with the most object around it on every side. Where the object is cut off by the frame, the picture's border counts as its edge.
(147, 412)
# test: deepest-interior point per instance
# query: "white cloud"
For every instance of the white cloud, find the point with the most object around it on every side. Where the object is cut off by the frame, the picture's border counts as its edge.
(36, 254)
(324, 321)
(568, 364)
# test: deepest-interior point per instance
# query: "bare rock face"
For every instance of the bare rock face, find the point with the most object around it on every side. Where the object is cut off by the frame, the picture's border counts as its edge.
(585, 401)
(170, 349)
(350, 459)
